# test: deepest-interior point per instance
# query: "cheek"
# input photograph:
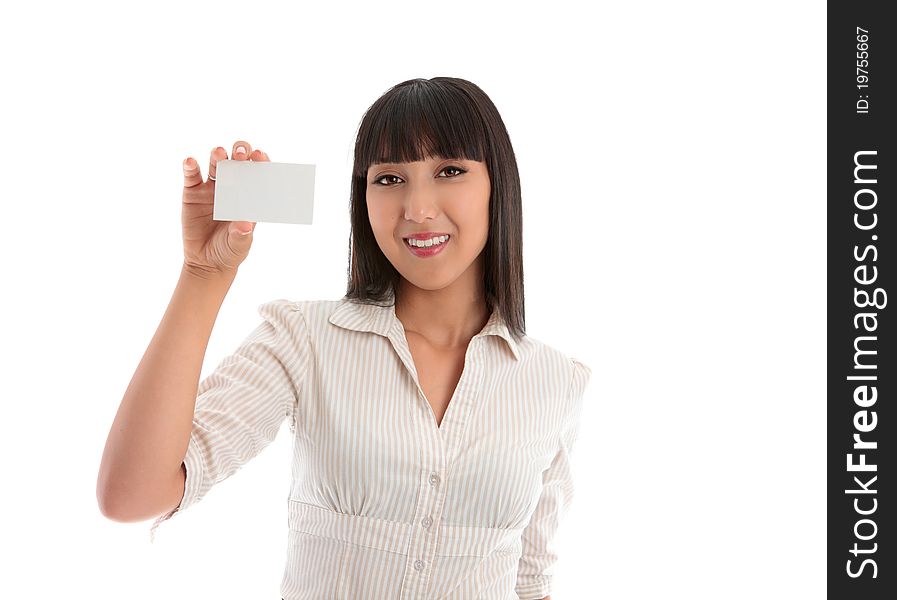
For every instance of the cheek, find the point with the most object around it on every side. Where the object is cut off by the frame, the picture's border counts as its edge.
(474, 216)
(383, 226)
(377, 218)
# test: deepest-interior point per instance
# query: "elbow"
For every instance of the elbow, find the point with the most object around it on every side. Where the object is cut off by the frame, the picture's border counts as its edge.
(128, 502)
(110, 506)
(117, 511)
(104, 499)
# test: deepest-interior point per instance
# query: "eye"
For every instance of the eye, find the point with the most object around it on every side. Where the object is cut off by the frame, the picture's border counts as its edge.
(377, 181)
(452, 167)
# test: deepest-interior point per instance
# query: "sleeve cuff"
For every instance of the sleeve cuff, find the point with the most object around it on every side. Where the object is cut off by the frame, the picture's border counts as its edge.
(533, 588)
(192, 486)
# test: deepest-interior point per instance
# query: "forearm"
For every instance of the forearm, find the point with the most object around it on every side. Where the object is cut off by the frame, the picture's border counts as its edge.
(149, 436)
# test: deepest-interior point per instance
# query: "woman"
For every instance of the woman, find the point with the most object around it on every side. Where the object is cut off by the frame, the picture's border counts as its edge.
(431, 435)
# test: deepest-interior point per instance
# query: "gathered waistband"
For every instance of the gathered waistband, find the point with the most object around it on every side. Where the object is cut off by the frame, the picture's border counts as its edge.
(394, 536)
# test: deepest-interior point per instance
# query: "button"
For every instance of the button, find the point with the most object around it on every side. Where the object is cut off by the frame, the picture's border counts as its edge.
(418, 565)
(434, 478)
(426, 522)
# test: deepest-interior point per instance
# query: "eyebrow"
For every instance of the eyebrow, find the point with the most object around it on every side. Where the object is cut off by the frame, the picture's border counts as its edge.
(435, 159)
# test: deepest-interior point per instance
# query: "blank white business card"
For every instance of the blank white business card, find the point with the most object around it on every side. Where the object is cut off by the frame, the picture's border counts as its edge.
(264, 192)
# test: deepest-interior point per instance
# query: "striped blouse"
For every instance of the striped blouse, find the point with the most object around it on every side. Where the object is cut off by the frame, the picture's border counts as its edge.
(383, 502)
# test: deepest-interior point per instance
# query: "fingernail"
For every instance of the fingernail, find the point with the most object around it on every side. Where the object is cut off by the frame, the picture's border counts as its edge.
(187, 164)
(240, 150)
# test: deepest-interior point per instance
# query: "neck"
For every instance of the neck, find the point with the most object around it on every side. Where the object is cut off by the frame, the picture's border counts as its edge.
(448, 317)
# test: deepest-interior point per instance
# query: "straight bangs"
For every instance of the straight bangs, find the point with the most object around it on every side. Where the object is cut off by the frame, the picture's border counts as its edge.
(415, 122)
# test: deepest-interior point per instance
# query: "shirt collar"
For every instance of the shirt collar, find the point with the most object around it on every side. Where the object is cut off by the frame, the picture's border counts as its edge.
(380, 319)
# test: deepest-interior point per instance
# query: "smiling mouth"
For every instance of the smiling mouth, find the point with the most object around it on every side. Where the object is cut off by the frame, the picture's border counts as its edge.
(427, 251)
(409, 244)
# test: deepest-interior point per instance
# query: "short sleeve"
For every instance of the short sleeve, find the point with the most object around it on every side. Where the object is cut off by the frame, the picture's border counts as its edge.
(536, 566)
(242, 404)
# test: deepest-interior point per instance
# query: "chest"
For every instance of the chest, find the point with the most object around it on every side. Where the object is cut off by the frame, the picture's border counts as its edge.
(367, 445)
(438, 372)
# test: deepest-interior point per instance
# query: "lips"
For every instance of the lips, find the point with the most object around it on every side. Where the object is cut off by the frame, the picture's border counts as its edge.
(424, 236)
(428, 251)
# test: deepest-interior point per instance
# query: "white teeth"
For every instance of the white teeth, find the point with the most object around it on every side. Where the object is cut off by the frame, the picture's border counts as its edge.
(427, 243)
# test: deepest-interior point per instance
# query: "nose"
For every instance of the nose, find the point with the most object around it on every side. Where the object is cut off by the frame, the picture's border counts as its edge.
(421, 202)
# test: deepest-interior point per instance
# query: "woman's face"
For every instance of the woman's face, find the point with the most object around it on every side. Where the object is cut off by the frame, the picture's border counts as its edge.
(434, 196)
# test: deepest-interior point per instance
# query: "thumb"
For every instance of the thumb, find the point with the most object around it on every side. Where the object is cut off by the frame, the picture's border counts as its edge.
(241, 228)
(240, 237)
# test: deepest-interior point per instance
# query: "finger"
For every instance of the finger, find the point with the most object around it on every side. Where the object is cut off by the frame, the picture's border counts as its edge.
(258, 156)
(218, 153)
(241, 150)
(192, 176)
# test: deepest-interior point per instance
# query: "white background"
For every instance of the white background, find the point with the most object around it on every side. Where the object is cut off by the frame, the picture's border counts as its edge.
(672, 158)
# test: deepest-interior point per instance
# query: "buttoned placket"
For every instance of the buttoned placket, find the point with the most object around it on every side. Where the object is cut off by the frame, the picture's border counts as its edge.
(439, 447)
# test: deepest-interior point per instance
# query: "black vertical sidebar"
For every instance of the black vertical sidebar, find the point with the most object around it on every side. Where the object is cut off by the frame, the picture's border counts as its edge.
(861, 365)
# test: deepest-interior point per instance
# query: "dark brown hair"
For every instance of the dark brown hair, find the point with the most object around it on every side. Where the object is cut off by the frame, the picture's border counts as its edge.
(442, 117)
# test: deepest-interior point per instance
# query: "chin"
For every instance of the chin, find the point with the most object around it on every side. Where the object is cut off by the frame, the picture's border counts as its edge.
(427, 281)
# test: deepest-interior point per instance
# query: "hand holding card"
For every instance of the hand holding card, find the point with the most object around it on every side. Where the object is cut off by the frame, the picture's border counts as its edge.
(213, 248)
